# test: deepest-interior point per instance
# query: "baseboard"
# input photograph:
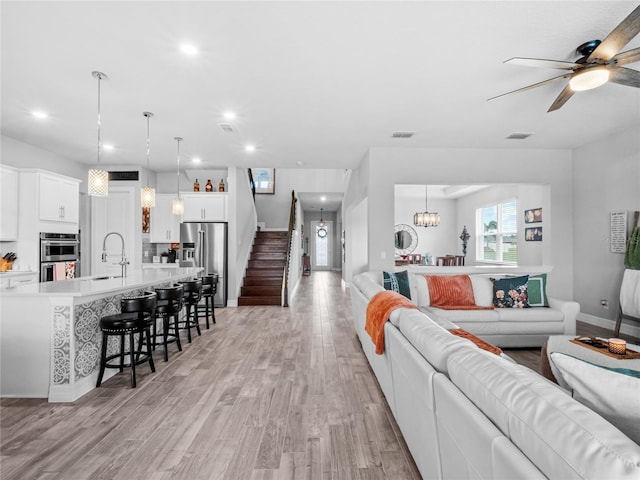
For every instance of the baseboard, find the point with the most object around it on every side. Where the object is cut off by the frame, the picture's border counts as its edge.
(610, 324)
(232, 303)
(72, 392)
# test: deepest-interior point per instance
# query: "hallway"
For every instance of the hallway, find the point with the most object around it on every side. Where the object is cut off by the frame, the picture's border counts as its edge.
(267, 393)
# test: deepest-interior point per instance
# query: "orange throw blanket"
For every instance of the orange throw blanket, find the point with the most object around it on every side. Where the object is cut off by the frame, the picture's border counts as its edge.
(378, 311)
(452, 292)
(478, 341)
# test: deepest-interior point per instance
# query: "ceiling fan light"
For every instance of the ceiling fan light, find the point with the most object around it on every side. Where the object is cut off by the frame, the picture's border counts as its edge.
(589, 78)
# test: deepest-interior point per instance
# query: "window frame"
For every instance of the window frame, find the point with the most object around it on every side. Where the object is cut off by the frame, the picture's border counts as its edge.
(500, 233)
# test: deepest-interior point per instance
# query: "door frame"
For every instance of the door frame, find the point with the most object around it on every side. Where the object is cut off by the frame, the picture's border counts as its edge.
(330, 242)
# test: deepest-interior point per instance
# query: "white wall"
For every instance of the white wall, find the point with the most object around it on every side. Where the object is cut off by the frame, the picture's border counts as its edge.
(385, 167)
(273, 210)
(606, 179)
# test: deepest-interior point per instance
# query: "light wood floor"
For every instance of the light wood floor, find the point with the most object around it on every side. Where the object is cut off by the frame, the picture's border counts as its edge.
(267, 393)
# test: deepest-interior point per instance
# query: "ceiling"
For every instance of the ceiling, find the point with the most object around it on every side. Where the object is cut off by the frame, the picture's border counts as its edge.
(313, 84)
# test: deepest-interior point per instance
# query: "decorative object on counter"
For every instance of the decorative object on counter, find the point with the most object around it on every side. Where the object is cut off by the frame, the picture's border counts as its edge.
(148, 194)
(426, 218)
(464, 236)
(221, 185)
(164, 257)
(98, 180)
(617, 346)
(146, 219)
(177, 204)
(196, 186)
(6, 262)
(209, 186)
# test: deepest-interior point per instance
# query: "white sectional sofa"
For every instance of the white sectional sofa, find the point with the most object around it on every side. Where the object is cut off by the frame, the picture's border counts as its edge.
(503, 327)
(466, 413)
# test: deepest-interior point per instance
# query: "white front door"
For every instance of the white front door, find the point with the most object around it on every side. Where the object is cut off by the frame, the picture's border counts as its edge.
(322, 246)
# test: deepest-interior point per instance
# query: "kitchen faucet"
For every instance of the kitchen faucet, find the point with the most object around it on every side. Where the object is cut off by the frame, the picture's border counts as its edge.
(123, 261)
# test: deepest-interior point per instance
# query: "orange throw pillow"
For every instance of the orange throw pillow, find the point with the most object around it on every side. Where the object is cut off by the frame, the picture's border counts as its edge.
(450, 290)
(478, 341)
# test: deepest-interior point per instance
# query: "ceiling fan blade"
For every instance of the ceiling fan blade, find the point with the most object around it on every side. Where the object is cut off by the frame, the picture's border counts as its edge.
(629, 56)
(625, 76)
(539, 62)
(561, 99)
(529, 87)
(618, 38)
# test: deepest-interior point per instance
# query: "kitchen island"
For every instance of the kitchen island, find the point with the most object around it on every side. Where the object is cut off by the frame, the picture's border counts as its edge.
(50, 335)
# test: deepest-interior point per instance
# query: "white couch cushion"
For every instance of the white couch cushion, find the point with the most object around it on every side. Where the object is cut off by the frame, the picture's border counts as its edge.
(482, 290)
(541, 314)
(421, 289)
(433, 342)
(562, 437)
(455, 316)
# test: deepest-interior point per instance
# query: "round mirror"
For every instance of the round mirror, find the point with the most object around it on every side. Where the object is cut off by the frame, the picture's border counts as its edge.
(406, 239)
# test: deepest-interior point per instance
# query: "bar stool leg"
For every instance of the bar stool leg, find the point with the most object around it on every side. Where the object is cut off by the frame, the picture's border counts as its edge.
(196, 320)
(147, 332)
(176, 319)
(121, 353)
(165, 334)
(132, 352)
(213, 311)
(103, 359)
(188, 324)
(206, 311)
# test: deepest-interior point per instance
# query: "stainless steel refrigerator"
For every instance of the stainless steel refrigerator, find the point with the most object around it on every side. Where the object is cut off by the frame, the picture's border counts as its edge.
(205, 245)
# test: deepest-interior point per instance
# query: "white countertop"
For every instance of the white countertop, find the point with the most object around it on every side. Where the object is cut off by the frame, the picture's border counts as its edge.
(87, 286)
(16, 273)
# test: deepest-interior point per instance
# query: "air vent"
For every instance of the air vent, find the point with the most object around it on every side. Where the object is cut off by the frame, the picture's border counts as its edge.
(519, 136)
(402, 134)
(226, 127)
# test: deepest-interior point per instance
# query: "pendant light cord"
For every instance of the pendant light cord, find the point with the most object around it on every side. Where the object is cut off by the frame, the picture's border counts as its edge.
(99, 75)
(178, 184)
(147, 114)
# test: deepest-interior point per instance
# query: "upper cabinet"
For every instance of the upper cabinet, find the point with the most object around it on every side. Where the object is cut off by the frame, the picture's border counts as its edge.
(48, 202)
(165, 226)
(205, 207)
(59, 198)
(8, 203)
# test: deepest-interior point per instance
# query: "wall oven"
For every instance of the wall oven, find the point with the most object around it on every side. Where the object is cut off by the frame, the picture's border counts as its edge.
(59, 256)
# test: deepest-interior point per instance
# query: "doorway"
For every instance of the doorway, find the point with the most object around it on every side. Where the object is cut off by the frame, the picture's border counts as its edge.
(322, 246)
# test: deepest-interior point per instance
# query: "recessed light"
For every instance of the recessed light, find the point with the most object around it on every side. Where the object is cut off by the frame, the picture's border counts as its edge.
(300, 163)
(196, 160)
(229, 115)
(188, 49)
(40, 114)
(250, 148)
(107, 147)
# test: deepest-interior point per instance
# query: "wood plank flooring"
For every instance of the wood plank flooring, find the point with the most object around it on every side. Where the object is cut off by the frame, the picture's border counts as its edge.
(267, 393)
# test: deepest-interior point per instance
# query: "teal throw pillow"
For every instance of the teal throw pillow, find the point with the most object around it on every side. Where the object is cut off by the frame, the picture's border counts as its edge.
(537, 290)
(398, 282)
(510, 292)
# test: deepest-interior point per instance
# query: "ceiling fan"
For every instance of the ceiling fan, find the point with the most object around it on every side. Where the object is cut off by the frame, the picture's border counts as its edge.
(600, 63)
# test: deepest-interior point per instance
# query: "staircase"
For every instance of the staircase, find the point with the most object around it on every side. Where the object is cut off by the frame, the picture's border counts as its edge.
(263, 278)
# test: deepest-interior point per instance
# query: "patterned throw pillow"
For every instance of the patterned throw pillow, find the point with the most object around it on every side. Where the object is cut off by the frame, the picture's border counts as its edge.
(537, 290)
(510, 292)
(398, 282)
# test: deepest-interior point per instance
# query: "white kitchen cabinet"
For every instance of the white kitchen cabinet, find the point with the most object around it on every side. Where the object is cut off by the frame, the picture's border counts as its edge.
(205, 207)
(8, 203)
(59, 198)
(165, 226)
(14, 279)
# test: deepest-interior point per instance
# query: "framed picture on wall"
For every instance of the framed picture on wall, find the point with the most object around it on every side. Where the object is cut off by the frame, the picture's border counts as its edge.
(264, 180)
(533, 215)
(533, 234)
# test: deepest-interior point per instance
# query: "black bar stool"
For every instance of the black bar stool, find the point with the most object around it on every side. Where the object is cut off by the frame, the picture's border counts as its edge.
(192, 295)
(135, 318)
(169, 306)
(209, 289)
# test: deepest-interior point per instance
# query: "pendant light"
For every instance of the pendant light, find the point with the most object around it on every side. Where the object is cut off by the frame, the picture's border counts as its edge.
(148, 194)
(177, 204)
(321, 224)
(426, 218)
(98, 181)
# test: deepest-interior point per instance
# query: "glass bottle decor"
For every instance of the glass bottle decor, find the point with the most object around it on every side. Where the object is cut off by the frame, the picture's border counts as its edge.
(196, 186)
(209, 186)
(221, 185)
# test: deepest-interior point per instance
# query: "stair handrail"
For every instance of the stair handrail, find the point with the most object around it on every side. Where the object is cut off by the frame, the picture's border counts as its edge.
(285, 273)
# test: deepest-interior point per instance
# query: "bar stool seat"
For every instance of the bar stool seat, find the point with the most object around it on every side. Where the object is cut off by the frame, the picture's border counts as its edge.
(169, 306)
(191, 297)
(123, 325)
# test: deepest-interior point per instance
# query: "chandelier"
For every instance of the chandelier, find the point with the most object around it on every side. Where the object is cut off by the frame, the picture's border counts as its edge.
(426, 218)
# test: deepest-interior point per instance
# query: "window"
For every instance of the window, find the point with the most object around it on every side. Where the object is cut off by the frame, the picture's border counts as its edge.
(497, 228)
